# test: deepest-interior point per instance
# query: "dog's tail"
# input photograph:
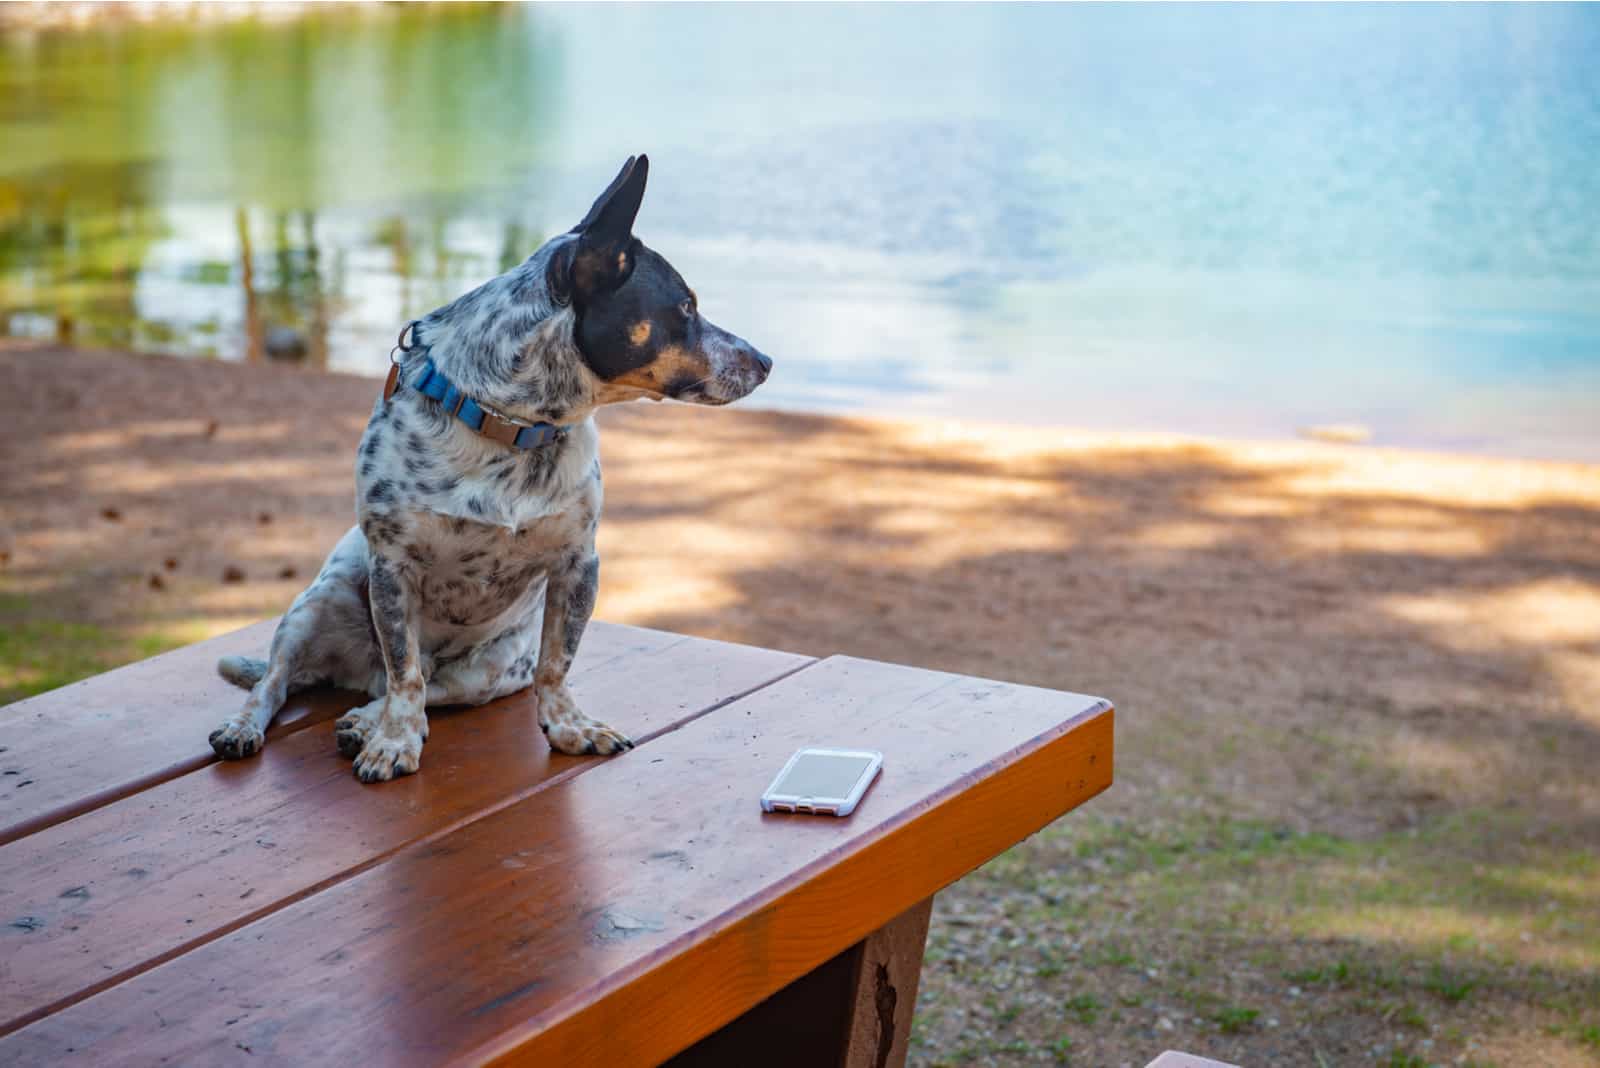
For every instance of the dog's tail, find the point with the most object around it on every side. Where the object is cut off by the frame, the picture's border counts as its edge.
(243, 671)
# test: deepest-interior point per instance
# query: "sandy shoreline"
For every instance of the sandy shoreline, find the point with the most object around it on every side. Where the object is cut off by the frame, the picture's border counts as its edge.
(1331, 640)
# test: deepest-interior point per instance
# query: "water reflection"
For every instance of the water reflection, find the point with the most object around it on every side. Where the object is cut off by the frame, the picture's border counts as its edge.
(1217, 219)
(260, 189)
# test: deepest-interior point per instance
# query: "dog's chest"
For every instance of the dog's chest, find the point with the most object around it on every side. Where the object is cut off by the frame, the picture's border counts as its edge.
(468, 573)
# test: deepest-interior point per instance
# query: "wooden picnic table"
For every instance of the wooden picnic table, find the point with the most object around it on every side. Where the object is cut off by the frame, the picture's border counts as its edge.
(507, 903)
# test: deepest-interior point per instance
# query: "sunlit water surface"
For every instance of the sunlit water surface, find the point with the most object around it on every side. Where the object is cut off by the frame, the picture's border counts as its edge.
(1220, 220)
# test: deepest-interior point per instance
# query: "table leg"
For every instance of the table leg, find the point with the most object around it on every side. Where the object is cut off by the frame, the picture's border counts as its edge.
(853, 1011)
(884, 990)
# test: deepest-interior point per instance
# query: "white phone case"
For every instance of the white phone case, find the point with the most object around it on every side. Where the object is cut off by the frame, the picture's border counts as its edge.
(774, 801)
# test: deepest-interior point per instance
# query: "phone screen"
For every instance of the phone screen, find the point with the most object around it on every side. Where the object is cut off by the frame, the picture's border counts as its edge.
(823, 775)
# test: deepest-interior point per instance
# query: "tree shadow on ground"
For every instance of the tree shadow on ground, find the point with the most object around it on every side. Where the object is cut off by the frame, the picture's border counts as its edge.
(1357, 690)
(1401, 662)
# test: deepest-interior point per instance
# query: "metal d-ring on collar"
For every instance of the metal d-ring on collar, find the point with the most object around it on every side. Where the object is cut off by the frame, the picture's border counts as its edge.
(400, 342)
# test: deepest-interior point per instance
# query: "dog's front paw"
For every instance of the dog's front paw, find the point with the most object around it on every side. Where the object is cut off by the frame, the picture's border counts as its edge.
(235, 740)
(587, 737)
(352, 729)
(386, 756)
(570, 731)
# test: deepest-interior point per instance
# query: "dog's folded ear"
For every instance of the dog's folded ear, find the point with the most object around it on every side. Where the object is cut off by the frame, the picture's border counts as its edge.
(603, 258)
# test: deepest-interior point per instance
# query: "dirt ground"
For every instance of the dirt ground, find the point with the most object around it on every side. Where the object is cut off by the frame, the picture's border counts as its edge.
(1357, 815)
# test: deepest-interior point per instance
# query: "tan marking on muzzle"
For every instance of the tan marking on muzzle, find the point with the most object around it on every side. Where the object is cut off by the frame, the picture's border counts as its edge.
(640, 332)
(674, 362)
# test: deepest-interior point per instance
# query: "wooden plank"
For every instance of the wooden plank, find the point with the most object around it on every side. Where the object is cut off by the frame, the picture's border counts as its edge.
(803, 1025)
(622, 914)
(853, 1011)
(91, 901)
(93, 741)
(883, 991)
(72, 750)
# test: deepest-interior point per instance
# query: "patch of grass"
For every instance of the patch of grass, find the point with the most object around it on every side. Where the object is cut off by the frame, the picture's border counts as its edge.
(1383, 979)
(1337, 974)
(1387, 932)
(1234, 1019)
(1113, 956)
(1198, 1000)
(42, 654)
(1430, 892)
(1405, 1059)
(1086, 1007)
(38, 654)
(1452, 988)
(1588, 1036)
(1061, 1049)
(1406, 1015)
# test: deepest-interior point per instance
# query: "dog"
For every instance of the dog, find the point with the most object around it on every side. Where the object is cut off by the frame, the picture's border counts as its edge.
(472, 570)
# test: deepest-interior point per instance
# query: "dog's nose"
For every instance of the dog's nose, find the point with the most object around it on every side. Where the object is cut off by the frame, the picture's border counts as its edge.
(763, 361)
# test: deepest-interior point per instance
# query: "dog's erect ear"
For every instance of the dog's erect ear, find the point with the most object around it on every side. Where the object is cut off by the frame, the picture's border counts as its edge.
(614, 211)
(603, 258)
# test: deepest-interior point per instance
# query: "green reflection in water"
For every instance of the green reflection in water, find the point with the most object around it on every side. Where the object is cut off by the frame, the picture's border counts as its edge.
(284, 163)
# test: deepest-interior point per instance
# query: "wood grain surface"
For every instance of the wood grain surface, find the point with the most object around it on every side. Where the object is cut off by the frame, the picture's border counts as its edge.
(883, 991)
(72, 750)
(69, 750)
(619, 915)
(88, 902)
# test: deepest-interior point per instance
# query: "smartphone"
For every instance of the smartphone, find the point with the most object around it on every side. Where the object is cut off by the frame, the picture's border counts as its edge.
(823, 781)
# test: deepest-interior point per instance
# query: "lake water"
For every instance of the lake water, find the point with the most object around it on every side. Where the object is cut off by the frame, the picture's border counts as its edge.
(1205, 219)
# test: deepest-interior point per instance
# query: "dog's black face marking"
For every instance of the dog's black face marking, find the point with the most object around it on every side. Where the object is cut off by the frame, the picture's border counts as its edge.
(639, 325)
(627, 328)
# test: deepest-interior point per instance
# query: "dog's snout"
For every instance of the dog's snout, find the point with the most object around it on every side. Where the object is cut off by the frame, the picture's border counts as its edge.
(737, 366)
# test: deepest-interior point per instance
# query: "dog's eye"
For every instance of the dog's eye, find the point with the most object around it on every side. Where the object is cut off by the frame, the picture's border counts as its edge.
(687, 308)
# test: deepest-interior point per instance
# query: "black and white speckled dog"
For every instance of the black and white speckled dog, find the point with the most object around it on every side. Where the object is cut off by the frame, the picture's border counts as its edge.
(473, 572)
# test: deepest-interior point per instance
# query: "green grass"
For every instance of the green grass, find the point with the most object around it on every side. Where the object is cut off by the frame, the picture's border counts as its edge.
(1086, 1007)
(1336, 974)
(1234, 1019)
(1405, 1059)
(1451, 988)
(40, 654)
(1440, 929)
(1115, 957)
(1406, 1015)
(1431, 891)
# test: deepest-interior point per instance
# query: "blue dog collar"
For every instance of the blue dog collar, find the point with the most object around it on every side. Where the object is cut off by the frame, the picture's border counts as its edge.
(431, 382)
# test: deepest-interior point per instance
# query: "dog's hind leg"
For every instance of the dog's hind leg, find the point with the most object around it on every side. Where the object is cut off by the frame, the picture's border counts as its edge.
(324, 637)
(244, 733)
